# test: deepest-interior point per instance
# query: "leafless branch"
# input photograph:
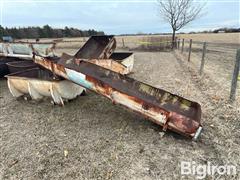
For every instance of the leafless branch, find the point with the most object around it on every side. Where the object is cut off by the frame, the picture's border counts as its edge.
(179, 13)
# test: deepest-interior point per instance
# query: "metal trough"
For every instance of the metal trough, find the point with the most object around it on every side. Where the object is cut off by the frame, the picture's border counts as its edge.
(164, 108)
(19, 51)
(25, 50)
(40, 83)
(3, 65)
(17, 66)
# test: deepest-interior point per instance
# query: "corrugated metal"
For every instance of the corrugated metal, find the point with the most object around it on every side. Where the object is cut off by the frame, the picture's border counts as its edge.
(40, 83)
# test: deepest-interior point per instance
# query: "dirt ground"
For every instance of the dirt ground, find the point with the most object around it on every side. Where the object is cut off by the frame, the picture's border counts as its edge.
(89, 138)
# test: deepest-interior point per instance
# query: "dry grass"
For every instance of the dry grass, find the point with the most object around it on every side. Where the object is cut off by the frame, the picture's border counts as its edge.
(109, 142)
(214, 37)
(133, 42)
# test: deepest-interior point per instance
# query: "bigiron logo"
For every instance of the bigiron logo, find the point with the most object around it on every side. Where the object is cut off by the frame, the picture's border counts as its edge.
(200, 171)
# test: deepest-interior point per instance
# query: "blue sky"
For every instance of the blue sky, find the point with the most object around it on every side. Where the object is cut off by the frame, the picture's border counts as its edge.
(112, 17)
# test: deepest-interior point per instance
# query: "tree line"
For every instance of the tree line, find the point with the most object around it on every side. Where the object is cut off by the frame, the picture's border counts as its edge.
(46, 32)
(225, 30)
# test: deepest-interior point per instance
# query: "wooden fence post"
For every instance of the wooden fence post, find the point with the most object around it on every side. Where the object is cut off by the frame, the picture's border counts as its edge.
(235, 77)
(190, 50)
(182, 45)
(175, 43)
(123, 43)
(203, 58)
(178, 44)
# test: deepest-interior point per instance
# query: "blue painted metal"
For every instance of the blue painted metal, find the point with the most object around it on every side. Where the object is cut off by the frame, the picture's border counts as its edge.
(78, 78)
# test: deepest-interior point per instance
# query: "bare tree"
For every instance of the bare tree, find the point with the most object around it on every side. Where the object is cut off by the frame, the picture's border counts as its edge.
(178, 13)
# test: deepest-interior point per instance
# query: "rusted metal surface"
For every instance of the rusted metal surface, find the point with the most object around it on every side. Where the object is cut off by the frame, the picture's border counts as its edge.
(109, 64)
(40, 83)
(100, 49)
(119, 62)
(125, 58)
(164, 108)
(97, 47)
(25, 50)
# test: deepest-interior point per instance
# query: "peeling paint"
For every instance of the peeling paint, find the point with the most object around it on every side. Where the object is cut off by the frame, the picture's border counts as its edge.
(164, 108)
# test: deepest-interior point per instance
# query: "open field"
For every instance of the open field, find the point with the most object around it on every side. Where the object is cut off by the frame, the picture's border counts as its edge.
(214, 37)
(134, 42)
(103, 141)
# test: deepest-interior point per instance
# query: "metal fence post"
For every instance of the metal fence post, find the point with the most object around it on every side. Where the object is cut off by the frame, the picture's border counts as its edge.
(190, 50)
(235, 77)
(203, 58)
(182, 45)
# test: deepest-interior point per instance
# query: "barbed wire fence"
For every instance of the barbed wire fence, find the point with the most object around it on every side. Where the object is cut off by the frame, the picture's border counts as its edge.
(221, 61)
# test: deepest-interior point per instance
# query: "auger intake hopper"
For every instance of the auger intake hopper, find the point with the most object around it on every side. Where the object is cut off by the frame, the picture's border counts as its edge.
(97, 47)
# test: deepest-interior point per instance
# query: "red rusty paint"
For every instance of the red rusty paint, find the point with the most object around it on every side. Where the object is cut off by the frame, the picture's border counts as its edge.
(109, 64)
(182, 116)
(175, 121)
